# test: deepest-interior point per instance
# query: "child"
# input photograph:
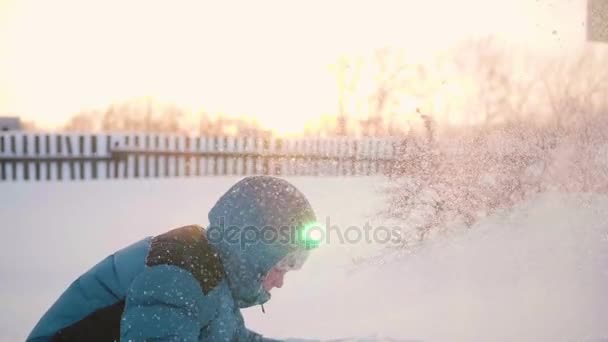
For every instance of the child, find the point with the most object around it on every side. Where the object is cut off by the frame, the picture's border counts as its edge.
(190, 283)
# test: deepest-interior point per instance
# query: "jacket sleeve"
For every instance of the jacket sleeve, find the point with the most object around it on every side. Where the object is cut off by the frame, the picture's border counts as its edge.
(164, 303)
(228, 324)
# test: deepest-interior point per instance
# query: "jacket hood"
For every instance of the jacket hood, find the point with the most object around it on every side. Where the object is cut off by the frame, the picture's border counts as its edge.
(254, 225)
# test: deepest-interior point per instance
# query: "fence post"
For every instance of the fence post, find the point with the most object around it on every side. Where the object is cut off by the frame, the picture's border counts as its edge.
(255, 159)
(234, 150)
(197, 159)
(323, 156)
(116, 160)
(279, 157)
(14, 153)
(26, 165)
(94, 154)
(47, 153)
(288, 152)
(146, 156)
(265, 158)
(208, 148)
(59, 153)
(156, 157)
(244, 153)
(166, 156)
(136, 156)
(108, 152)
(37, 153)
(354, 157)
(70, 153)
(179, 159)
(81, 154)
(124, 160)
(377, 156)
(304, 149)
(227, 142)
(189, 158)
(329, 150)
(215, 150)
(2, 163)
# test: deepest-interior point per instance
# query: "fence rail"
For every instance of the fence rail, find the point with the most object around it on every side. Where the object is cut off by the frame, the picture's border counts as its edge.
(39, 156)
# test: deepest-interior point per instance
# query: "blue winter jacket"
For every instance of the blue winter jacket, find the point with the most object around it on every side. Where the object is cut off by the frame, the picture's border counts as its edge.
(190, 283)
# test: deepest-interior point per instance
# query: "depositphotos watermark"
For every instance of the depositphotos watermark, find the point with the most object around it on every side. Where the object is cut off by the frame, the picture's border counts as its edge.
(312, 234)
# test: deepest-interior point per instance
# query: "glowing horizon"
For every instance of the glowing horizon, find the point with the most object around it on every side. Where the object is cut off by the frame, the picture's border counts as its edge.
(267, 60)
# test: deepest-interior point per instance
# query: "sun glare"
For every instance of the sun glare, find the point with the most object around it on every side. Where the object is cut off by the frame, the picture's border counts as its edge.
(61, 57)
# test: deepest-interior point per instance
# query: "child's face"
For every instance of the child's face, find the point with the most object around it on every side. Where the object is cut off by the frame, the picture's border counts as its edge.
(274, 278)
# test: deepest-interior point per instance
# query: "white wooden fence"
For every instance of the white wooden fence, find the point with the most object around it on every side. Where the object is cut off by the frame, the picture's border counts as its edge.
(40, 156)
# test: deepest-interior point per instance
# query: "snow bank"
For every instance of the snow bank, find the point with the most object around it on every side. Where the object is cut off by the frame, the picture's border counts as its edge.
(538, 273)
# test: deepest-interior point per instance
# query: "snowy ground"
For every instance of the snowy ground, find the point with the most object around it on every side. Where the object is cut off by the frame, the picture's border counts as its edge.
(539, 273)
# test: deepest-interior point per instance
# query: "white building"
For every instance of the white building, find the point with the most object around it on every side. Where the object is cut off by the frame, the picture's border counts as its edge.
(9, 123)
(597, 20)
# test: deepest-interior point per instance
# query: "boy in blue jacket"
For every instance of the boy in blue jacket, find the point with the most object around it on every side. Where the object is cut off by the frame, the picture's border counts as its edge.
(190, 283)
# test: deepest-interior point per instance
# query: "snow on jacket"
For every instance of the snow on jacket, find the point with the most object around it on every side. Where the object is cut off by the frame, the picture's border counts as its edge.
(190, 283)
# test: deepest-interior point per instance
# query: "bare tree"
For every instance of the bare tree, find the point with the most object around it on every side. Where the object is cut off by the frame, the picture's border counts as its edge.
(348, 74)
(502, 81)
(29, 126)
(460, 176)
(82, 122)
(146, 116)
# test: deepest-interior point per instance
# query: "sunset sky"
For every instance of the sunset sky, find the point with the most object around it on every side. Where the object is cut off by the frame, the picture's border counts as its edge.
(268, 59)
